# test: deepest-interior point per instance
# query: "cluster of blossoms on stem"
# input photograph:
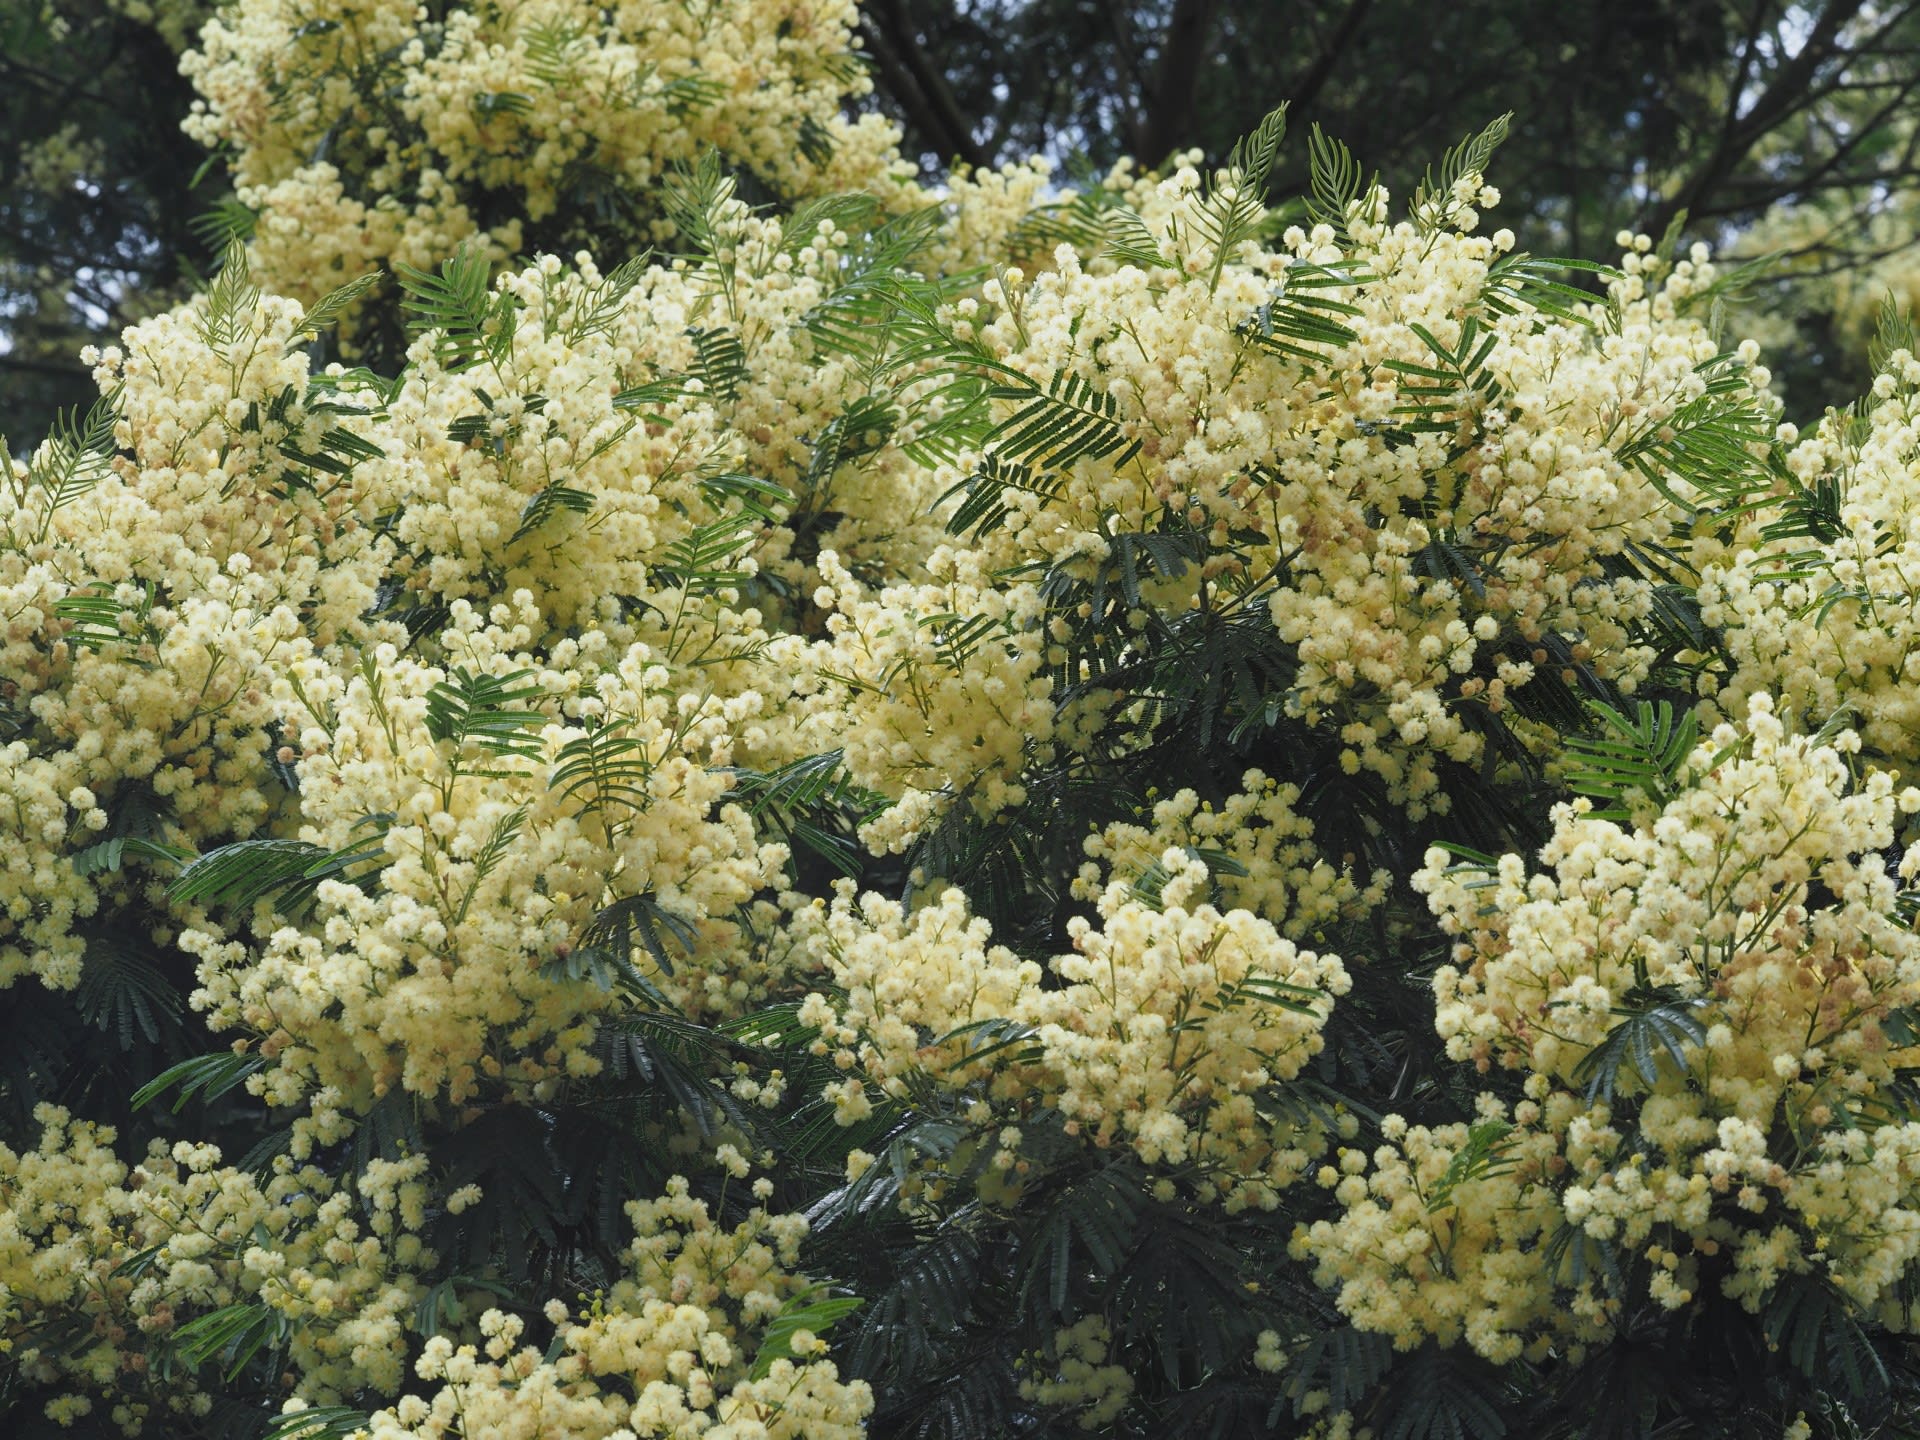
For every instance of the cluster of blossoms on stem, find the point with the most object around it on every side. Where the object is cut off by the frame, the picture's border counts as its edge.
(493, 116)
(1167, 1024)
(1261, 851)
(668, 1350)
(1351, 494)
(1079, 1377)
(1747, 1147)
(1825, 620)
(125, 1256)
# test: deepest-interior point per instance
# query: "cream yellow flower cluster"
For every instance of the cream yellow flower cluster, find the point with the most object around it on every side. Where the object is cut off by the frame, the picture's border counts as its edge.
(1427, 507)
(103, 1268)
(669, 1350)
(1163, 1029)
(933, 691)
(1079, 1377)
(239, 544)
(1822, 617)
(1741, 1137)
(489, 872)
(504, 112)
(1258, 846)
(100, 1265)
(195, 556)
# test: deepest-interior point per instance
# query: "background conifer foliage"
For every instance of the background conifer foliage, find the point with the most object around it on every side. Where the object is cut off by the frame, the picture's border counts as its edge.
(666, 774)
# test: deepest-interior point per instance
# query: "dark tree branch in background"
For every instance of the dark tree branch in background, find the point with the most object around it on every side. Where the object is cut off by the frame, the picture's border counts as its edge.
(917, 83)
(1745, 194)
(24, 364)
(1302, 95)
(1120, 26)
(1168, 122)
(1790, 89)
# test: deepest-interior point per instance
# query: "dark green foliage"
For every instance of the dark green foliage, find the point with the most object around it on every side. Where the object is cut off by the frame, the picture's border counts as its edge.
(318, 1422)
(1443, 1395)
(813, 805)
(472, 322)
(1667, 1024)
(1641, 755)
(251, 870)
(489, 711)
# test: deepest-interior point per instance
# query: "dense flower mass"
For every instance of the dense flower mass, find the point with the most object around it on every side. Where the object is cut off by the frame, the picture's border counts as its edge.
(957, 811)
(1677, 991)
(1162, 1030)
(381, 132)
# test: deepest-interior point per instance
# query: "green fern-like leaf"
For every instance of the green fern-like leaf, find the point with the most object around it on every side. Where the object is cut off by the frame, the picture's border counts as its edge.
(553, 50)
(1641, 755)
(327, 312)
(803, 800)
(208, 1076)
(802, 225)
(1483, 1156)
(229, 1337)
(223, 224)
(500, 840)
(1663, 1028)
(487, 710)
(76, 456)
(1131, 241)
(1345, 1362)
(248, 871)
(1440, 395)
(1235, 206)
(1710, 456)
(596, 311)
(1087, 1232)
(1068, 421)
(678, 1060)
(1434, 205)
(1300, 322)
(607, 970)
(121, 992)
(1517, 282)
(760, 498)
(1335, 183)
(1892, 330)
(550, 501)
(472, 323)
(1821, 1335)
(983, 507)
(700, 201)
(225, 316)
(862, 428)
(1079, 219)
(707, 559)
(1440, 1395)
(604, 767)
(720, 362)
(96, 617)
(1182, 1295)
(641, 918)
(926, 1302)
(803, 1312)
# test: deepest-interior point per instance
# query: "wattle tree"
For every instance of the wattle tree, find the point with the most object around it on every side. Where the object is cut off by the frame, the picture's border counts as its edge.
(666, 782)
